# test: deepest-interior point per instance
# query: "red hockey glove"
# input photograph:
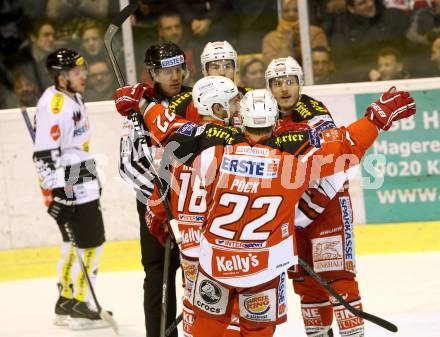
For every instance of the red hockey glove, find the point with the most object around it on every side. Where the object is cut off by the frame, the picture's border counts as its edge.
(156, 225)
(128, 99)
(391, 106)
(290, 126)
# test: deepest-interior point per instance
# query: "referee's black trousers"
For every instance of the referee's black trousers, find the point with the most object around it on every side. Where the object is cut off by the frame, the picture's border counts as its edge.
(153, 262)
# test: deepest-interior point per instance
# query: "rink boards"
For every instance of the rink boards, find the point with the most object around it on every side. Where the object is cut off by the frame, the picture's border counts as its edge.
(125, 255)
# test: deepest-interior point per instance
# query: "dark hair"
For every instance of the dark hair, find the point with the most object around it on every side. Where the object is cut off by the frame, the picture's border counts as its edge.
(35, 30)
(390, 51)
(247, 64)
(90, 24)
(322, 49)
(169, 13)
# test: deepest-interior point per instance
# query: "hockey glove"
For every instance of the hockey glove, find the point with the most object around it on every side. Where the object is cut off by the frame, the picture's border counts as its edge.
(130, 98)
(392, 106)
(62, 207)
(156, 226)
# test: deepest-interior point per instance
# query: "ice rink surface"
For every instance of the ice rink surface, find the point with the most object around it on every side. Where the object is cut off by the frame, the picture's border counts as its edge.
(402, 288)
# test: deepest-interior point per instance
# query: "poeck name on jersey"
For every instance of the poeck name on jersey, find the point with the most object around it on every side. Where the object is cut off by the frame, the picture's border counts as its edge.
(247, 166)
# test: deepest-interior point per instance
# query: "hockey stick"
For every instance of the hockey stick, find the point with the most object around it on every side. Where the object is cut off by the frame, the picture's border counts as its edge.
(369, 317)
(28, 122)
(105, 315)
(173, 325)
(137, 121)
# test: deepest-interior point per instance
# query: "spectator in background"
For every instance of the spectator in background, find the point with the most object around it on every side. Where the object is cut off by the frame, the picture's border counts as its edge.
(425, 21)
(42, 44)
(389, 66)
(355, 38)
(61, 9)
(435, 55)
(323, 66)
(43, 38)
(252, 73)
(25, 89)
(285, 40)
(92, 43)
(100, 86)
(170, 29)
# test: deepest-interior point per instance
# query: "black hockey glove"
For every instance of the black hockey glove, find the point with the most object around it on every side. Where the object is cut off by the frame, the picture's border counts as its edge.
(62, 207)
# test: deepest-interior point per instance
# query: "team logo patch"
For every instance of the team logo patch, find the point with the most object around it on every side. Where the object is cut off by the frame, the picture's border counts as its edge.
(314, 134)
(200, 130)
(327, 254)
(258, 307)
(332, 135)
(247, 166)
(210, 292)
(187, 129)
(57, 103)
(55, 132)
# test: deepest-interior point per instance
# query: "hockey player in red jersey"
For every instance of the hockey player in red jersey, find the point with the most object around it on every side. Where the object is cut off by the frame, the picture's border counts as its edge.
(248, 241)
(324, 218)
(215, 99)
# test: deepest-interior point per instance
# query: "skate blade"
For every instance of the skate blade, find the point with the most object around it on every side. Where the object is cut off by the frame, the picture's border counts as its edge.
(61, 320)
(87, 324)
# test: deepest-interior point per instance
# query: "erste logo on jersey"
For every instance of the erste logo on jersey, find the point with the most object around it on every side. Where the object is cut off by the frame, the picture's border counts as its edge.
(55, 132)
(226, 263)
(247, 166)
(57, 103)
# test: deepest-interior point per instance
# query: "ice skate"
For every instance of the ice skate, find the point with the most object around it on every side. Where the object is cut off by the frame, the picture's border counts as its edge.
(84, 317)
(62, 311)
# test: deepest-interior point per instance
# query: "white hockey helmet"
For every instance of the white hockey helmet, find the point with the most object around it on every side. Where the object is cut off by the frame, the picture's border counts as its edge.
(285, 66)
(258, 109)
(218, 50)
(210, 90)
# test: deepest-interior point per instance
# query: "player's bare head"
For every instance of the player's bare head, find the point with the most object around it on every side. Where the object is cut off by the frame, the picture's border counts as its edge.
(166, 65)
(216, 97)
(284, 78)
(219, 58)
(68, 70)
(258, 113)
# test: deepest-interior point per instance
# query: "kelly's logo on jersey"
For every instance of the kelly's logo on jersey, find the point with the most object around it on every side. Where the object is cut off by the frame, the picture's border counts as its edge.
(247, 166)
(227, 263)
(57, 103)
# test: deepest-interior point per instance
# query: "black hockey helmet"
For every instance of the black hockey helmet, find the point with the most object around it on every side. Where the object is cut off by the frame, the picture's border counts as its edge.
(62, 60)
(164, 55)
